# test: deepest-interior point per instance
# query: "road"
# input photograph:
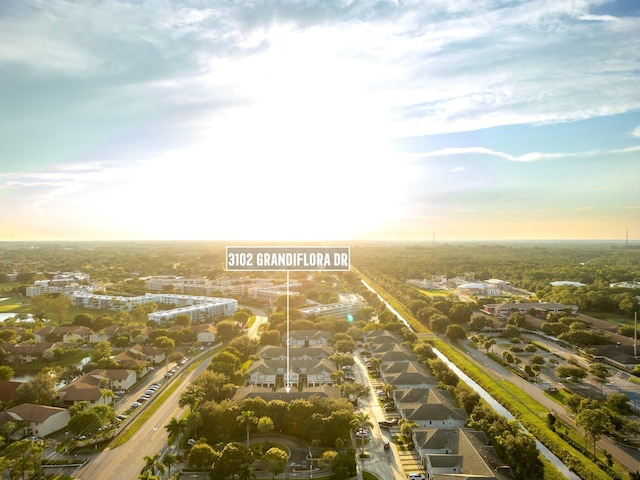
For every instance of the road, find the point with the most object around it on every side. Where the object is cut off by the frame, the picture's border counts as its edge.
(627, 457)
(125, 462)
(383, 463)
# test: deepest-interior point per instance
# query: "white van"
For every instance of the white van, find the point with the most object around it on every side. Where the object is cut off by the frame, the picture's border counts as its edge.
(416, 476)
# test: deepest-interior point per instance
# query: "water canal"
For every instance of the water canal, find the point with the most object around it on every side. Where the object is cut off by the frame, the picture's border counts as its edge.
(562, 468)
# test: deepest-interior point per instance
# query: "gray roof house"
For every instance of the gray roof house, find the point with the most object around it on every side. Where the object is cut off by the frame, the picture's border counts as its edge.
(459, 453)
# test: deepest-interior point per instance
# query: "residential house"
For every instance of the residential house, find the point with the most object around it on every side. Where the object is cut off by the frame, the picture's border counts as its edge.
(303, 373)
(66, 333)
(269, 394)
(118, 378)
(308, 338)
(41, 420)
(153, 354)
(27, 353)
(458, 453)
(107, 334)
(205, 333)
(271, 352)
(88, 388)
(436, 411)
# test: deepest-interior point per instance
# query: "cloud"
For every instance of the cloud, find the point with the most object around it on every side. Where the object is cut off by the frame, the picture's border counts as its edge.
(527, 157)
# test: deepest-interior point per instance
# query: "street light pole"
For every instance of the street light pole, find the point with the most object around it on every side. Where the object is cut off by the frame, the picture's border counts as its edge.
(310, 464)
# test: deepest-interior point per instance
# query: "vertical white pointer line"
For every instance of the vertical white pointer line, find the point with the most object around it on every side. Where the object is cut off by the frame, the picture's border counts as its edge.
(288, 374)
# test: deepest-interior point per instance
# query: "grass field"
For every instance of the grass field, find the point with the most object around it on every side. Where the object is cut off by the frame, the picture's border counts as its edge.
(14, 304)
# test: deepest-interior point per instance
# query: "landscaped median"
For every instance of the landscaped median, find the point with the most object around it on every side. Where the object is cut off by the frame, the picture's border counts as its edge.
(150, 409)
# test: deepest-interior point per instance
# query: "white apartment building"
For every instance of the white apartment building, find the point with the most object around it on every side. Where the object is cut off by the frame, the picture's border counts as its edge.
(197, 307)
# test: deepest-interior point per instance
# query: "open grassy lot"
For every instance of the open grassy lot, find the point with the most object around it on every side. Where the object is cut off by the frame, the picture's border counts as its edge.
(14, 304)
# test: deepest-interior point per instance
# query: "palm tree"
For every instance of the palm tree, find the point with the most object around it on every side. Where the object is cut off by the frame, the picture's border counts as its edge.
(387, 389)
(194, 420)
(406, 427)
(175, 428)
(168, 461)
(361, 421)
(265, 425)
(375, 362)
(151, 463)
(337, 376)
(247, 419)
(191, 397)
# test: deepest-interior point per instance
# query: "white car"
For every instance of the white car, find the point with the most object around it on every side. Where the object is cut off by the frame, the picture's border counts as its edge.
(416, 476)
(135, 404)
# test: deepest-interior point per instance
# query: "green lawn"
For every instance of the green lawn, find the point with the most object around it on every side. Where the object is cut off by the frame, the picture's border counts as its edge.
(611, 317)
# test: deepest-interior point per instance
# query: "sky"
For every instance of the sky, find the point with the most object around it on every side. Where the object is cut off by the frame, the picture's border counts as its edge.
(319, 120)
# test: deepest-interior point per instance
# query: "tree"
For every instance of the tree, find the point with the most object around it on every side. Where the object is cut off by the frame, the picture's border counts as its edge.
(152, 463)
(201, 456)
(619, 402)
(165, 343)
(594, 422)
(478, 322)
(572, 372)
(460, 313)
(6, 373)
(387, 388)
(39, 390)
(488, 344)
(521, 450)
(247, 419)
(354, 391)
(89, 420)
(274, 460)
(438, 322)
(23, 458)
(59, 307)
(455, 333)
(194, 421)
(271, 337)
(169, 460)
(191, 397)
(407, 427)
(175, 428)
(361, 421)
(601, 372)
(265, 425)
(246, 472)
(230, 460)
(100, 351)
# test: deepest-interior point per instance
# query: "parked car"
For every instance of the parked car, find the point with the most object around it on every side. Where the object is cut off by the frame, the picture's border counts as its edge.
(135, 404)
